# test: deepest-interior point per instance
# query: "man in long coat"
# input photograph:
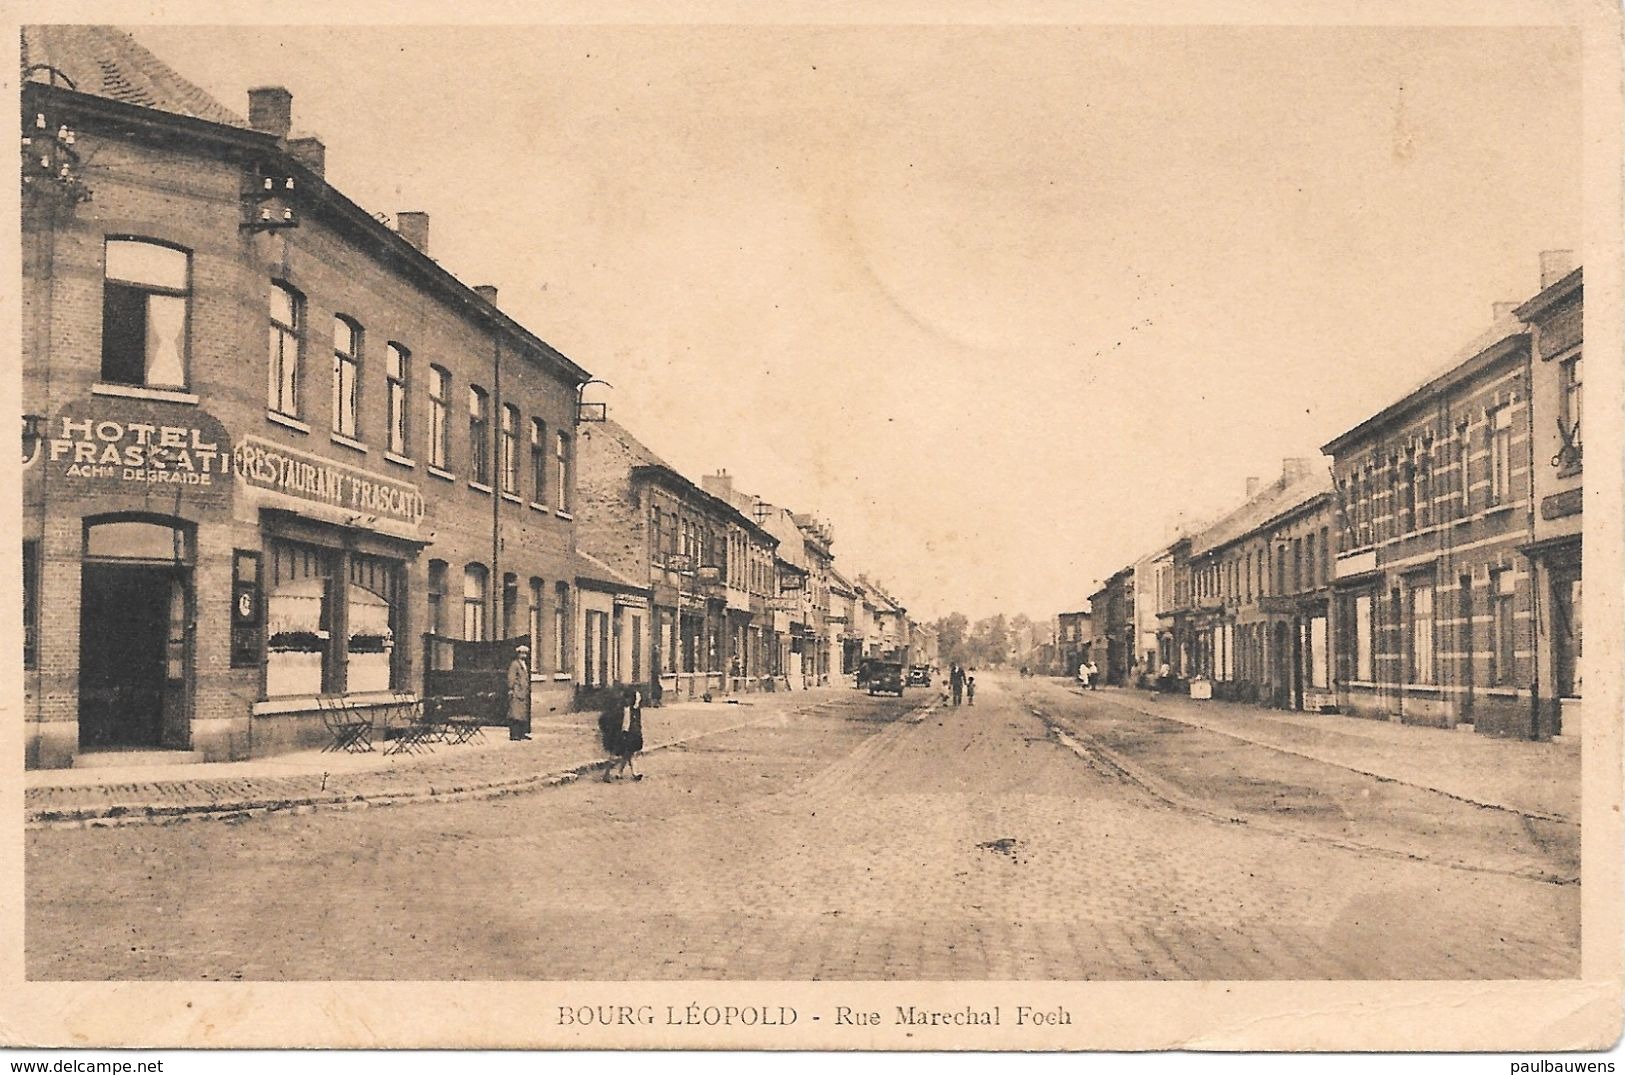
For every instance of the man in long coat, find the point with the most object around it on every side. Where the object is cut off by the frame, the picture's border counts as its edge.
(519, 694)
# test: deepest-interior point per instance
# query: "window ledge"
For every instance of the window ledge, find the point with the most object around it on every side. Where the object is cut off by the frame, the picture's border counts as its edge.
(400, 460)
(1501, 692)
(1422, 688)
(481, 486)
(562, 677)
(1496, 509)
(287, 420)
(561, 513)
(348, 442)
(445, 474)
(132, 391)
(539, 507)
(511, 498)
(311, 703)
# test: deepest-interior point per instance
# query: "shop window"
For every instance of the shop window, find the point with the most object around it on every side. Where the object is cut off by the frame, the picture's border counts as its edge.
(371, 617)
(1566, 633)
(1362, 638)
(1317, 652)
(396, 366)
(144, 300)
(1421, 620)
(475, 581)
(287, 326)
(510, 449)
(30, 604)
(479, 435)
(298, 622)
(561, 628)
(538, 461)
(346, 376)
(247, 609)
(439, 418)
(595, 644)
(1503, 641)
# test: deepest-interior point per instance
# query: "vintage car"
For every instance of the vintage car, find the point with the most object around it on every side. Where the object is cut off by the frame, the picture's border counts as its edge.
(919, 675)
(885, 677)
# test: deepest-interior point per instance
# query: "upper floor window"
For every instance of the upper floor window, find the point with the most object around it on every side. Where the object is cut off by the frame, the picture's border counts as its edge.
(510, 448)
(282, 376)
(395, 369)
(1572, 391)
(538, 461)
(439, 417)
(144, 300)
(479, 435)
(561, 470)
(1500, 454)
(346, 376)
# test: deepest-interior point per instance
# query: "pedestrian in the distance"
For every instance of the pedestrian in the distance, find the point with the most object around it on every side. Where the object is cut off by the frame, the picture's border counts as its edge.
(1083, 674)
(970, 690)
(956, 683)
(519, 694)
(621, 725)
(1094, 675)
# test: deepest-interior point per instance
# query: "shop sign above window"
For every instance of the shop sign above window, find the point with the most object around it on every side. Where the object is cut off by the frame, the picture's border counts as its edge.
(132, 445)
(364, 497)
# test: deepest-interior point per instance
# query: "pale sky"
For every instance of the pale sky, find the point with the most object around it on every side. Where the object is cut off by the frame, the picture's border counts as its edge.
(997, 303)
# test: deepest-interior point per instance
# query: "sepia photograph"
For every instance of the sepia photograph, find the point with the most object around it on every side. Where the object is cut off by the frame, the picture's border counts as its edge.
(1044, 526)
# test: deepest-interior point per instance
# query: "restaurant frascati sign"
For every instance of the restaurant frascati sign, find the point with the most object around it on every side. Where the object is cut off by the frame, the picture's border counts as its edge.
(263, 464)
(112, 444)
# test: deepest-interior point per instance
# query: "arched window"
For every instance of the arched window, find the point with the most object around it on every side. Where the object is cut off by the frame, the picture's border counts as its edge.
(282, 373)
(145, 292)
(346, 376)
(475, 581)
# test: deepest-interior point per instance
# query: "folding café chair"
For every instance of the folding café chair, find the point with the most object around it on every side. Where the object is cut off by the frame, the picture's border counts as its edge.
(350, 729)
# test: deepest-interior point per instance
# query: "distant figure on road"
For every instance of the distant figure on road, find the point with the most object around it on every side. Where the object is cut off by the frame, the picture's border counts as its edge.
(518, 678)
(1094, 675)
(1083, 675)
(956, 683)
(621, 725)
(970, 690)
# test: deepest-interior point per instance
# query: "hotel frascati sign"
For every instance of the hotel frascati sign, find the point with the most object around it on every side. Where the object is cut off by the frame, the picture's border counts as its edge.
(103, 445)
(364, 498)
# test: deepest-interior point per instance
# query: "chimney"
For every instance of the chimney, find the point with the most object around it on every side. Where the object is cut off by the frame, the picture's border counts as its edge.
(1554, 265)
(310, 152)
(488, 292)
(1252, 487)
(1294, 470)
(720, 484)
(270, 109)
(414, 228)
(1500, 311)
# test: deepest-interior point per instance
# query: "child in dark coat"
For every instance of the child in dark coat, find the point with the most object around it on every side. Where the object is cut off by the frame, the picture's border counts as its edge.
(621, 726)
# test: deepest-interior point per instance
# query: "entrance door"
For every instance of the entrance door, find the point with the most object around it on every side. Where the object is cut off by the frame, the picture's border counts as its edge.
(132, 650)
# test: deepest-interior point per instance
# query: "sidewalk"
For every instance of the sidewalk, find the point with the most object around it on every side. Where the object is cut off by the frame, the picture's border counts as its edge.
(561, 747)
(1536, 779)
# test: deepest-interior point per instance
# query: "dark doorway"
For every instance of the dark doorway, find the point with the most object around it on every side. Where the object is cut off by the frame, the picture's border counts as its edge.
(1282, 693)
(132, 649)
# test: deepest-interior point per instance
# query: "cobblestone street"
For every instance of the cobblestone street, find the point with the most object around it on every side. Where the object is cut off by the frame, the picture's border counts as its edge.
(1037, 835)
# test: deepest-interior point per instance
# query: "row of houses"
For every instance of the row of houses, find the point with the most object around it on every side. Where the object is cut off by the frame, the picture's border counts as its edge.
(1427, 569)
(271, 448)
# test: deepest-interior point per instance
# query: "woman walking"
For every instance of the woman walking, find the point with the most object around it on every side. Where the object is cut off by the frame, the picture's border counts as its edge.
(621, 725)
